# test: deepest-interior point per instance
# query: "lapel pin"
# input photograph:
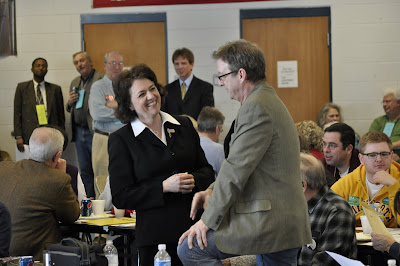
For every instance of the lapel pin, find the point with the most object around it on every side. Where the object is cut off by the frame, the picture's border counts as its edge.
(170, 131)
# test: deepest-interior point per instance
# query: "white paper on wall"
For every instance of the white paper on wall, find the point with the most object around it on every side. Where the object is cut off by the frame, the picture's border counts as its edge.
(287, 74)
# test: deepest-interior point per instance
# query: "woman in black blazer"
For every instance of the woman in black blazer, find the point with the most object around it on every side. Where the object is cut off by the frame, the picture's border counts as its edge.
(156, 164)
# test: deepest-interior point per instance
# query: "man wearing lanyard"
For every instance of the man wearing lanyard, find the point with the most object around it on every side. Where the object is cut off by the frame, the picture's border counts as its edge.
(390, 122)
(36, 103)
(102, 105)
(81, 121)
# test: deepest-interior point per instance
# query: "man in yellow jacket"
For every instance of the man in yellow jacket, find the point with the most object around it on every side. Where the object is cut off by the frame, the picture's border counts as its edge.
(377, 179)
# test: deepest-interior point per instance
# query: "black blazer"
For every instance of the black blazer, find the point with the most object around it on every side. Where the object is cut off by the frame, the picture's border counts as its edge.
(25, 117)
(137, 167)
(199, 94)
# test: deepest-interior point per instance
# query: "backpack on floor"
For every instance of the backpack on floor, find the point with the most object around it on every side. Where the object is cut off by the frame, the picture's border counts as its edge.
(72, 251)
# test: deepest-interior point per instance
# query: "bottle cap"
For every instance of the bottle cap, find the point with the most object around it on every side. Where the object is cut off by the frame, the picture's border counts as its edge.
(162, 247)
(376, 205)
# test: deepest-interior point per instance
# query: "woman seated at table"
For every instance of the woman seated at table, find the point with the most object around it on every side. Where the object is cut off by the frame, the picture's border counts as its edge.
(156, 164)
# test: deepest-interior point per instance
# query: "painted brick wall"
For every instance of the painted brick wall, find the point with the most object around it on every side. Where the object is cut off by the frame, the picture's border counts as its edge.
(365, 50)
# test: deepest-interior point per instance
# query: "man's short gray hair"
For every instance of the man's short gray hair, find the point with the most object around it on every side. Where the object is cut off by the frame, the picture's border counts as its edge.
(84, 53)
(44, 143)
(312, 171)
(395, 92)
(112, 52)
(243, 54)
(209, 118)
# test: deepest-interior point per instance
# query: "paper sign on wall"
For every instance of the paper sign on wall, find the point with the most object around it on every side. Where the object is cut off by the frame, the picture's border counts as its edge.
(287, 74)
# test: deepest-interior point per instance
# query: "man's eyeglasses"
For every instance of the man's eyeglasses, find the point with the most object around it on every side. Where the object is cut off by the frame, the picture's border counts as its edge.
(113, 63)
(374, 155)
(330, 146)
(220, 77)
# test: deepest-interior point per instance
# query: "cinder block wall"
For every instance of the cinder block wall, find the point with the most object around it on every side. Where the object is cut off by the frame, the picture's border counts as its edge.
(365, 50)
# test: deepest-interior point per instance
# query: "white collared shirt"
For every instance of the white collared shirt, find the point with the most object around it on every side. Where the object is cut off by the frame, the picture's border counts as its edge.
(138, 126)
(42, 90)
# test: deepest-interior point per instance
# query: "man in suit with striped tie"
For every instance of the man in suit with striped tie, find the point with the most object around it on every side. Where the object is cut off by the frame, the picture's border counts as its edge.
(188, 94)
(36, 103)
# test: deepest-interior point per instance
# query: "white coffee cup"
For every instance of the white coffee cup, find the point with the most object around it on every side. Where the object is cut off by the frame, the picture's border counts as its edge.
(98, 207)
(119, 212)
(365, 225)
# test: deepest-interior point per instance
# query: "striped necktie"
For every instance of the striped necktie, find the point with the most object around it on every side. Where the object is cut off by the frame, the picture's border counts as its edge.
(39, 97)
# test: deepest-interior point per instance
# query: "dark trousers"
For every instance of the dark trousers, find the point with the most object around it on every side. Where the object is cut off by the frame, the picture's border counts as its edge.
(83, 143)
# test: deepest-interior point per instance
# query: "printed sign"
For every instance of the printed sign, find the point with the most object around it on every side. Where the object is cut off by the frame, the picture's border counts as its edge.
(287, 74)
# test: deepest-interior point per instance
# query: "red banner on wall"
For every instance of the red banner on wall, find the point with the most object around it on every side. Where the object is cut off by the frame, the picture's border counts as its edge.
(116, 3)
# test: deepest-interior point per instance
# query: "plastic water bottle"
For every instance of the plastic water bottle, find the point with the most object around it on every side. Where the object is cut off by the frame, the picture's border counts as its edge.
(111, 253)
(162, 257)
(391, 262)
(379, 211)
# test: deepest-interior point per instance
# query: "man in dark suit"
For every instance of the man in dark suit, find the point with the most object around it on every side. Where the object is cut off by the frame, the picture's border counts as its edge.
(38, 194)
(81, 120)
(188, 94)
(36, 103)
(256, 205)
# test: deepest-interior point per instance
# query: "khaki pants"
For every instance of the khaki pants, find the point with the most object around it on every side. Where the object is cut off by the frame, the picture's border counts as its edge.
(100, 155)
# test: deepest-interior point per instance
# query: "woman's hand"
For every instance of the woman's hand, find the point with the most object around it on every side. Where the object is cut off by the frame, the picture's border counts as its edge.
(182, 182)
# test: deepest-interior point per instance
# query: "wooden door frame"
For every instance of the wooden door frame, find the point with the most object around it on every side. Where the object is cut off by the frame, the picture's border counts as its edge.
(293, 12)
(126, 18)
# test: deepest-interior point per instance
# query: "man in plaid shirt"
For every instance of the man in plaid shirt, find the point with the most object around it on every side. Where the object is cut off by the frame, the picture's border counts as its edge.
(332, 220)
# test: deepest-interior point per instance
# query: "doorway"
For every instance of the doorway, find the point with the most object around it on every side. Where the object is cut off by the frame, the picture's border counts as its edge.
(294, 35)
(141, 38)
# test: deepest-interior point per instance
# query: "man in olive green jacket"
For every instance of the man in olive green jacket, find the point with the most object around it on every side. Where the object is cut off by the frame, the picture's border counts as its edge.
(256, 205)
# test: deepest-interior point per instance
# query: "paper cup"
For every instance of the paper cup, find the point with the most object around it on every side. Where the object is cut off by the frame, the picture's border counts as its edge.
(98, 207)
(365, 225)
(119, 212)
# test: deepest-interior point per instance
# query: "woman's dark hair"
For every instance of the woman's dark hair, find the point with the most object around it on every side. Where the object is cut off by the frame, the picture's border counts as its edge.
(122, 88)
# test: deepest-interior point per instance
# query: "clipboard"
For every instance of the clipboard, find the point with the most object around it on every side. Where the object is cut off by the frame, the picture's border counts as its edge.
(373, 219)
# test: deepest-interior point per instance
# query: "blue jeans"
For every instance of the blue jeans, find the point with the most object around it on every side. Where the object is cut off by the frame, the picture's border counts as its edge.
(83, 143)
(212, 256)
(208, 256)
